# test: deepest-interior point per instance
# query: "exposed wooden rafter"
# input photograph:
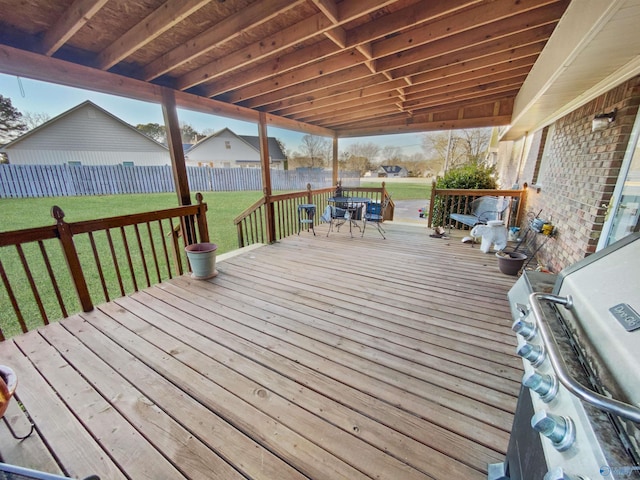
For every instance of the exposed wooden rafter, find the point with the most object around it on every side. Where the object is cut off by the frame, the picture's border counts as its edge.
(337, 66)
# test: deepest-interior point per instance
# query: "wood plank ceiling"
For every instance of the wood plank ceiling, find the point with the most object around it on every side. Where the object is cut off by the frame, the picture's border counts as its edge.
(357, 67)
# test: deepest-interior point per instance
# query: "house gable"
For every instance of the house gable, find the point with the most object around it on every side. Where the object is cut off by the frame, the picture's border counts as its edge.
(86, 135)
(86, 127)
(225, 148)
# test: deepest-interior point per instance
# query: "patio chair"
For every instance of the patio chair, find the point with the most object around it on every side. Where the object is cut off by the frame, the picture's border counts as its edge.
(375, 214)
(483, 210)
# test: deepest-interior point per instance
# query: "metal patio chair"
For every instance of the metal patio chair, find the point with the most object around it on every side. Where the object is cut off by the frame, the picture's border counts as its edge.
(375, 214)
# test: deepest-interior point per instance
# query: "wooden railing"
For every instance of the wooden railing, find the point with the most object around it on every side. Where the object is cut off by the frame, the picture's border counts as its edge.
(276, 217)
(105, 259)
(445, 201)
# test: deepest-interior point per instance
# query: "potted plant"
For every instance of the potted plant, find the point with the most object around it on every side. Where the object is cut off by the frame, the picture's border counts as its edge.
(202, 258)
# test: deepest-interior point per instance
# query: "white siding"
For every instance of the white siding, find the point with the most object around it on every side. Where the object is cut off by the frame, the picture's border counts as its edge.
(213, 149)
(90, 136)
(58, 157)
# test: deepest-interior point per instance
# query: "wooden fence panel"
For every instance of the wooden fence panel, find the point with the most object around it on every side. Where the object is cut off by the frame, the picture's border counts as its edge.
(23, 181)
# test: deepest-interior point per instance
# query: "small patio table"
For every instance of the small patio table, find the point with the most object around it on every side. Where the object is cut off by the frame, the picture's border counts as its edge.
(353, 206)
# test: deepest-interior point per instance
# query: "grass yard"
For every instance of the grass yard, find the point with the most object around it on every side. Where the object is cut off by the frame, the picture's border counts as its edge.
(407, 189)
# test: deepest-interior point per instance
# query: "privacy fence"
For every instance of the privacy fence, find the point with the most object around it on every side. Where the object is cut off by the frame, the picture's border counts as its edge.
(21, 181)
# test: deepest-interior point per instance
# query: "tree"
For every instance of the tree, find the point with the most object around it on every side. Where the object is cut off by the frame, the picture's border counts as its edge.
(391, 155)
(456, 148)
(154, 130)
(189, 134)
(11, 122)
(35, 119)
(316, 151)
(359, 157)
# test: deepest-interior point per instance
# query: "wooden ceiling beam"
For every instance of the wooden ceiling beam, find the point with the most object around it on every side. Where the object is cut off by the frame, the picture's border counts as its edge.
(329, 9)
(488, 34)
(485, 77)
(255, 52)
(254, 15)
(355, 79)
(413, 126)
(328, 99)
(497, 17)
(512, 47)
(380, 104)
(444, 95)
(495, 108)
(411, 16)
(72, 20)
(317, 25)
(462, 100)
(515, 58)
(282, 64)
(300, 104)
(477, 37)
(155, 24)
(461, 109)
(335, 80)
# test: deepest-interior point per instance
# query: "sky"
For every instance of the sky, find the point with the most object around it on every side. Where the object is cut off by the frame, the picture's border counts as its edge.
(40, 97)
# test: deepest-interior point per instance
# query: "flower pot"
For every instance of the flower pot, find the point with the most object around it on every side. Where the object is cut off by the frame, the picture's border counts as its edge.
(202, 258)
(510, 263)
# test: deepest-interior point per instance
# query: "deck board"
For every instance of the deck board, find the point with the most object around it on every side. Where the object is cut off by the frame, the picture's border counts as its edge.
(316, 357)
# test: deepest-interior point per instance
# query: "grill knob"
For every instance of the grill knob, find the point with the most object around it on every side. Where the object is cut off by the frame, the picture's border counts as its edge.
(533, 353)
(544, 385)
(559, 474)
(526, 329)
(560, 430)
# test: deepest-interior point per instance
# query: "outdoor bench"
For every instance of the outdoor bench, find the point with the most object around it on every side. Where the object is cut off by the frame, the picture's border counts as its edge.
(483, 210)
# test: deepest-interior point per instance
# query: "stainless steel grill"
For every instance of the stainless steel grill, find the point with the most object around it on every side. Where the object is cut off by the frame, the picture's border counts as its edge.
(578, 415)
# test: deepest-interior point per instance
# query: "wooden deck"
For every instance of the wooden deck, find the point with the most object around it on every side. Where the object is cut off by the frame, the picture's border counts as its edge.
(324, 358)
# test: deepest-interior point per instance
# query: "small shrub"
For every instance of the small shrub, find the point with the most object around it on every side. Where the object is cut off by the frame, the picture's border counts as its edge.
(468, 177)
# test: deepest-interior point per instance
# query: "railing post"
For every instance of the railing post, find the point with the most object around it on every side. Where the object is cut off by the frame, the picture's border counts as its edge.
(270, 221)
(72, 259)
(203, 229)
(175, 249)
(309, 194)
(521, 202)
(432, 203)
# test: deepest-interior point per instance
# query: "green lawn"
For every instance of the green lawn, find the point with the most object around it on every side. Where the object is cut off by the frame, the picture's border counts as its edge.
(418, 190)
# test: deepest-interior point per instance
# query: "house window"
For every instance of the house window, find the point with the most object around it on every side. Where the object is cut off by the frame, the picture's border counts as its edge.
(543, 156)
(227, 144)
(227, 164)
(74, 163)
(127, 164)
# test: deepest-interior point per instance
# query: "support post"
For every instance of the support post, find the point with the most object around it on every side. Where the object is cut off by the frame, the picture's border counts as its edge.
(266, 179)
(178, 165)
(334, 177)
(174, 141)
(432, 203)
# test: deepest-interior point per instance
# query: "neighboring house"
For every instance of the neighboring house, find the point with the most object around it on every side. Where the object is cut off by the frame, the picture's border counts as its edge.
(392, 171)
(225, 149)
(86, 135)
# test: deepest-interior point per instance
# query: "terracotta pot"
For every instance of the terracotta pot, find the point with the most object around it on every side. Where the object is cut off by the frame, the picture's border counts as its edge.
(8, 384)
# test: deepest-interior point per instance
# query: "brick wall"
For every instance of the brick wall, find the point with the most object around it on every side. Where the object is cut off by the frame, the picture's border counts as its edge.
(579, 174)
